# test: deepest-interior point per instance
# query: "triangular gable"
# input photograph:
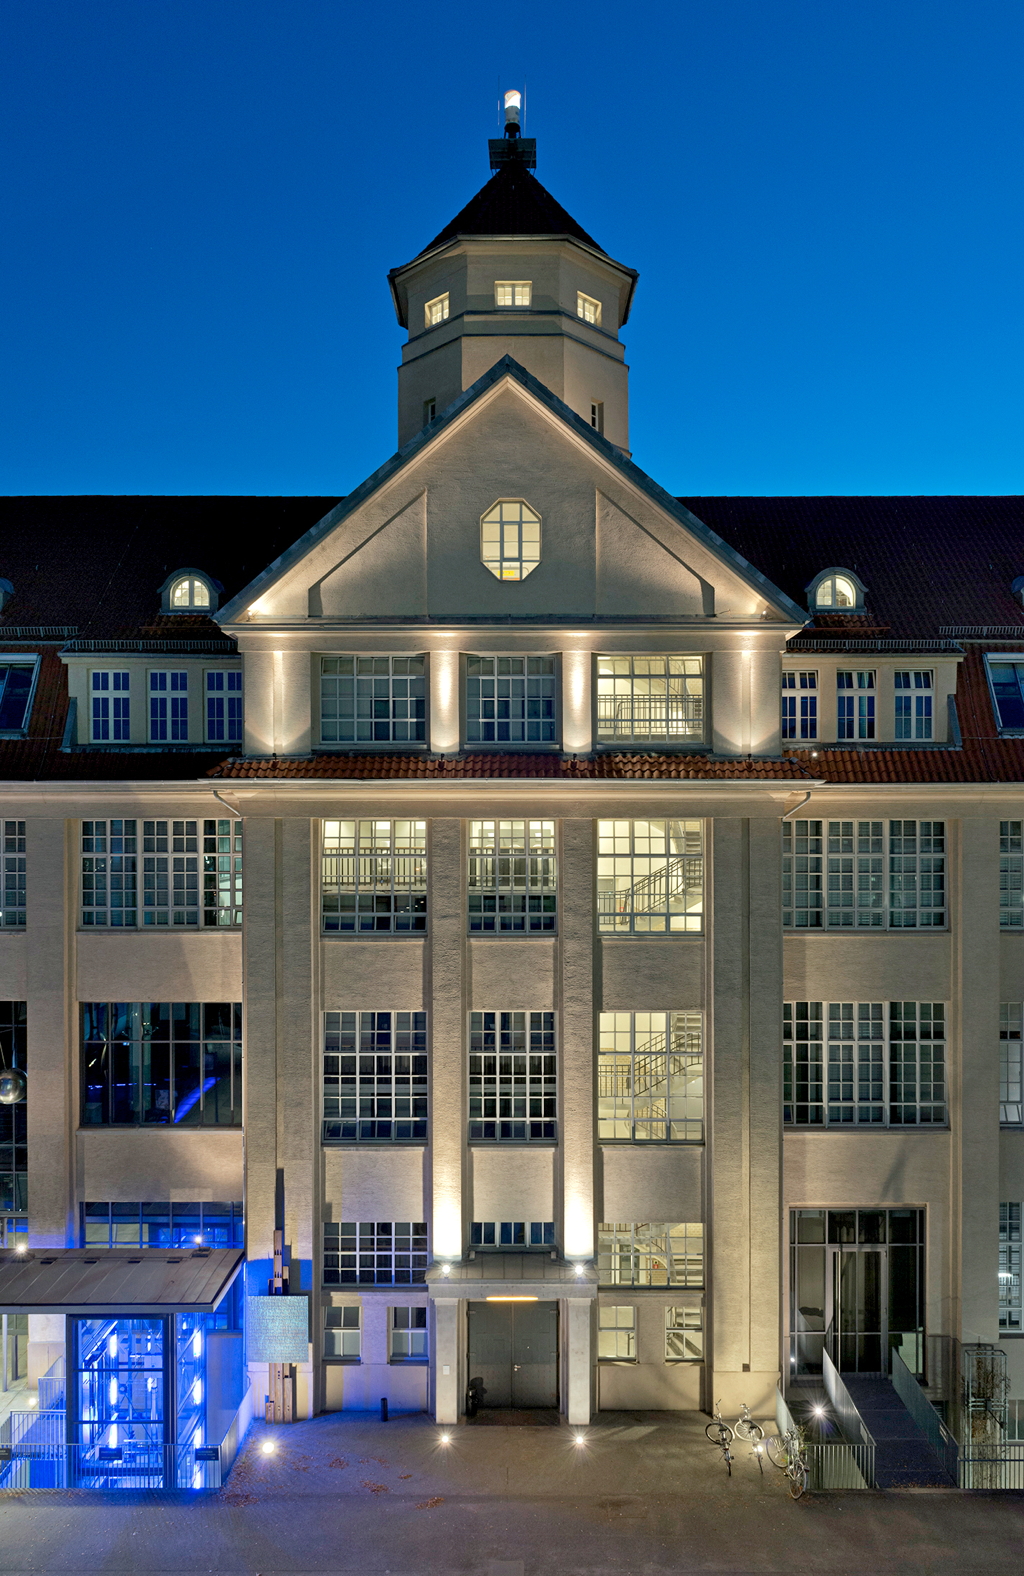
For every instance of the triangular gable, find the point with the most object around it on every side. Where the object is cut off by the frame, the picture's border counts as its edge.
(368, 557)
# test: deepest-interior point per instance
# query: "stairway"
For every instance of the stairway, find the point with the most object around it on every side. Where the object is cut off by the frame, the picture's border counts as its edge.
(904, 1457)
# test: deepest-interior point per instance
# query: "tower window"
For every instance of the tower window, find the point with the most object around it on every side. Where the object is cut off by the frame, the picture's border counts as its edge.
(436, 311)
(429, 410)
(588, 309)
(512, 292)
(597, 416)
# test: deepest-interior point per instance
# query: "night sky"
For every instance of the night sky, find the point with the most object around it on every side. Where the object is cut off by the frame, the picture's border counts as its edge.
(202, 199)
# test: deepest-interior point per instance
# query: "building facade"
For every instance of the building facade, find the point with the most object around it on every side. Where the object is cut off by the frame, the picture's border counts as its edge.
(579, 929)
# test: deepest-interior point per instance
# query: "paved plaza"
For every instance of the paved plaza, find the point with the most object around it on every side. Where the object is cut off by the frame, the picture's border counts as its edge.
(644, 1494)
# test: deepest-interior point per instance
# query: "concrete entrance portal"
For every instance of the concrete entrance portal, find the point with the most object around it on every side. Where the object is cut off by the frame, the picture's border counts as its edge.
(513, 1354)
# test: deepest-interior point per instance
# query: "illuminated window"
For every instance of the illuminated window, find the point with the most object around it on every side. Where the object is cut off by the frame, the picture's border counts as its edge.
(1011, 1064)
(158, 1063)
(588, 309)
(650, 877)
(374, 876)
(650, 1077)
(512, 877)
(650, 1254)
(512, 292)
(510, 539)
(436, 311)
(684, 1335)
(616, 1334)
(650, 700)
(187, 593)
(836, 591)
(1011, 1304)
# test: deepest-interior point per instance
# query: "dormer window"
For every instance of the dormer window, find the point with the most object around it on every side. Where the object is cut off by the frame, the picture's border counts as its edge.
(6, 592)
(436, 311)
(190, 591)
(836, 591)
(513, 292)
(588, 309)
(510, 539)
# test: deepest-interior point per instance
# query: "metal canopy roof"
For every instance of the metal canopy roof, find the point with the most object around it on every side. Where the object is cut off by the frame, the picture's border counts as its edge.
(124, 1283)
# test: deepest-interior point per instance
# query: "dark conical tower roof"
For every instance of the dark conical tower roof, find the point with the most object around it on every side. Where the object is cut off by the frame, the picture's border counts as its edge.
(513, 203)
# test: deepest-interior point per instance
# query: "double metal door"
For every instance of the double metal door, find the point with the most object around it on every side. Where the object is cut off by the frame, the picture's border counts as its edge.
(513, 1353)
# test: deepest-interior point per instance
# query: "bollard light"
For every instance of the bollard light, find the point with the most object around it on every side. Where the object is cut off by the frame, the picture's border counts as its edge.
(446, 1439)
(580, 1440)
(268, 1447)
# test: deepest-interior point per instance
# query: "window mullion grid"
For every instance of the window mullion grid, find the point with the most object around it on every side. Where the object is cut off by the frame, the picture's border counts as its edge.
(161, 1064)
(374, 877)
(375, 1076)
(1011, 1303)
(13, 898)
(374, 1253)
(1011, 1064)
(802, 875)
(513, 1077)
(650, 1077)
(512, 877)
(1011, 875)
(170, 873)
(886, 1064)
(109, 873)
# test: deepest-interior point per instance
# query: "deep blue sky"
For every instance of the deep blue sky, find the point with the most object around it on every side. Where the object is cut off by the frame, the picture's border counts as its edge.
(202, 199)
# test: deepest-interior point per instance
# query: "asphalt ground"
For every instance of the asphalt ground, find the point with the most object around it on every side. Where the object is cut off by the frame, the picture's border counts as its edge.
(645, 1493)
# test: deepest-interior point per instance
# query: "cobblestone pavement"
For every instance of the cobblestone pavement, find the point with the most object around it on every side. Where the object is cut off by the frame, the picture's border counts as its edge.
(644, 1494)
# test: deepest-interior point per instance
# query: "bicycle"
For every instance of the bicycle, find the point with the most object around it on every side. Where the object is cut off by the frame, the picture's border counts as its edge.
(786, 1451)
(720, 1434)
(746, 1428)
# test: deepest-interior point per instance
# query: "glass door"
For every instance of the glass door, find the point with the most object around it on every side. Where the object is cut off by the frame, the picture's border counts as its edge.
(858, 1308)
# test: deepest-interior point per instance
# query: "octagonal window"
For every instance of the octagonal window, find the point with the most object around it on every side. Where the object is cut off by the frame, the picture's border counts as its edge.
(510, 539)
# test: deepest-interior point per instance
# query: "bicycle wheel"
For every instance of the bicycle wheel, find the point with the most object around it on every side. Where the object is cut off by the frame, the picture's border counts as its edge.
(778, 1455)
(752, 1432)
(719, 1433)
(797, 1479)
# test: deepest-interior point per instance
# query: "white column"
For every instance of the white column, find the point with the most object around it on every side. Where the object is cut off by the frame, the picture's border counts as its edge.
(446, 1360)
(444, 702)
(577, 1348)
(577, 702)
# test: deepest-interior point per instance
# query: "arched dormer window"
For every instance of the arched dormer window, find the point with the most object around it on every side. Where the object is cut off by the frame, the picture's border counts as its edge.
(190, 591)
(836, 591)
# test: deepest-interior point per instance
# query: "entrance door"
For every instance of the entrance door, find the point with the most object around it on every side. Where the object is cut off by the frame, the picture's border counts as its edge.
(513, 1353)
(860, 1303)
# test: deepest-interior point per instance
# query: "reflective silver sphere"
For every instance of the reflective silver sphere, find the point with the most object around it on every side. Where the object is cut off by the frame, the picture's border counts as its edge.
(12, 1086)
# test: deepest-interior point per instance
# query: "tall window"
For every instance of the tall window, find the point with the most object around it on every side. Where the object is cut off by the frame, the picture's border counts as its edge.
(649, 1254)
(374, 877)
(185, 885)
(512, 877)
(223, 706)
(159, 1063)
(17, 681)
(650, 700)
(864, 875)
(13, 1122)
(510, 700)
(1011, 1064)
(855, 705)
(1006, 678)
(913, 705)
(1011, 1304)
(616, 1334)
(510, 539)
(513, 1076)
(799, 705)
(408, 1335)
(375, 1075)
(375, 1253)
(1011, 875)
(109, 873)
(111, 708)
(650, 1077)
(373, 700)
(168, 706)
(436, 311)
(588, 309)
(512, 292)
(222, 872)
(864, 1064)
(13, 895)
(106, 1225)
(650, 877)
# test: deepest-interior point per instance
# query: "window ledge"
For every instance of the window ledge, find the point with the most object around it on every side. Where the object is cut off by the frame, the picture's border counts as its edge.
(865, 1127)
(373, 1143)
(370, 935)
(408, 1362)
(618, 1362)
(651, 1143)
(652, 935)
(343, 1362)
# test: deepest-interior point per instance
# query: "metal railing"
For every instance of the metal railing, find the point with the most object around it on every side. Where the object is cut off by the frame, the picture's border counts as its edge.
(832, 1464)
(924, 1414)
(53, 1387)
(652, 894)
(998, 1466)
(38, 1464)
